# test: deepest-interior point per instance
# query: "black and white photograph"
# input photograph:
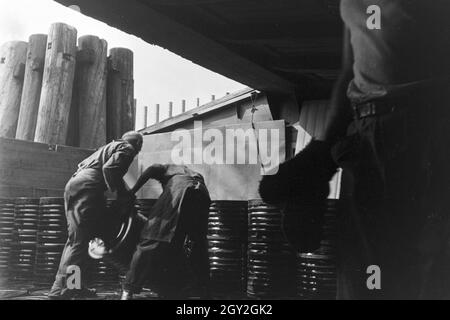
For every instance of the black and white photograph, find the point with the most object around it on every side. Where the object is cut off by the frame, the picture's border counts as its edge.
(224, 155)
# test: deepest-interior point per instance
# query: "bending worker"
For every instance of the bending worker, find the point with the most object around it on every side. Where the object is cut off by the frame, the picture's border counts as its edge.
(172, 254)
(85, 205)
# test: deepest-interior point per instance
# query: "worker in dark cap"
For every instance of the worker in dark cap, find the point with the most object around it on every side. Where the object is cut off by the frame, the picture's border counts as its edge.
(172, 254)
(85, 206)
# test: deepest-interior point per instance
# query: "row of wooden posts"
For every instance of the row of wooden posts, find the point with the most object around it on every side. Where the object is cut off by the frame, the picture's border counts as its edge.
(153, 113)
(57, 92)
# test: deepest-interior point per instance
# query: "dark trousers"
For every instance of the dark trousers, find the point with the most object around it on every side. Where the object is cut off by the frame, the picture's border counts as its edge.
(398, 168)
(171, 267)
(84, 209)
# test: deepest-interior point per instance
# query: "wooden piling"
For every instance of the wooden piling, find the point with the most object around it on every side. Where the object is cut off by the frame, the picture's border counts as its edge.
(183, 106)
(73, 132)
(90, 91)
(31, 93)
(12, 68)
(59, 71)
(120, 93)
(135, 105)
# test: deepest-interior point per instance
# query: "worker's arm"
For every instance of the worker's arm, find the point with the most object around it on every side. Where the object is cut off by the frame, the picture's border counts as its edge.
(340, 113)
(155, 171)
(305, 178)
(116, 167)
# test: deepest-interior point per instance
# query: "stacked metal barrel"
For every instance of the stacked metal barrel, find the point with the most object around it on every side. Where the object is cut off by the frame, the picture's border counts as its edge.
(227, 233)
(316, 272)
(271, 261)
(7, 236)
(24, 250)
(102, 273)
(51, 238)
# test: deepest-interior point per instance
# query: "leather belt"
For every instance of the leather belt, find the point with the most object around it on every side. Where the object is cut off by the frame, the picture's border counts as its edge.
(373, 108)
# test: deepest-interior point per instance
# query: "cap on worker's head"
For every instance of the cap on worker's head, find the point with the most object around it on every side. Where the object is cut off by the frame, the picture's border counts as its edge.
(134, 138)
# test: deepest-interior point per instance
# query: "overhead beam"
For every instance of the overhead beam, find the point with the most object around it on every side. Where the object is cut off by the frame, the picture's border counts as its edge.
(134, 17)
(298, 30)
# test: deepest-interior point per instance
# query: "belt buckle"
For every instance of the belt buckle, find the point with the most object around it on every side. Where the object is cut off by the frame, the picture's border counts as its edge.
(364, 110)
(373, 109)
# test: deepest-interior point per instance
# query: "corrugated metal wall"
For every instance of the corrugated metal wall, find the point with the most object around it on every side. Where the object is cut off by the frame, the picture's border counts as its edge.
(312, 123)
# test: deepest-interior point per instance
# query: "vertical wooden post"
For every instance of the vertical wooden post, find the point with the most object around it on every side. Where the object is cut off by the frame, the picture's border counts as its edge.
(120, 93)
(213, 98)
(145, 117)
(90, 91)
(12, 68)
(153, 115)
(32, 85)
(56, 96)
(183, 106)
(170, 109)
(157, 113)
(198, 102)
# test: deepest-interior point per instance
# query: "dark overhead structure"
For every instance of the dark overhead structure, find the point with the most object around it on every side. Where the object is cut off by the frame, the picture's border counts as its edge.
(279, 46)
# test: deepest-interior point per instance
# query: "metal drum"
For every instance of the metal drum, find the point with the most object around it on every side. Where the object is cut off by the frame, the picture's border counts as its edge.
(271, 261)
(227, 242)
(51, 237)
(123, 240)
(7, 235)
(26, 225)
(102, 273)
(316, 271)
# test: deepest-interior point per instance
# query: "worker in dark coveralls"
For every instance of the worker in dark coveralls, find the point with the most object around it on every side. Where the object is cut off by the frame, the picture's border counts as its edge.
(389, 128)
(172, 254)
(85, 204)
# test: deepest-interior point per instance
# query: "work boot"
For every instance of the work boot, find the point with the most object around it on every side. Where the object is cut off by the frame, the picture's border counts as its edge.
(126, 295)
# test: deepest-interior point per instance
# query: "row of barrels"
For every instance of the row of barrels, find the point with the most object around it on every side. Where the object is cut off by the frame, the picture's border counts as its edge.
(33, 233)
(250, 256)
(248, 252)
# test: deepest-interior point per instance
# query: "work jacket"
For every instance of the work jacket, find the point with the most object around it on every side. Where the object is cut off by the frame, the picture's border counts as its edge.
(106, 168)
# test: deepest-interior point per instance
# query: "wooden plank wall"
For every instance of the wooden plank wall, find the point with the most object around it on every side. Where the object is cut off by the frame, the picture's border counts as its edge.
(224, 181)
(311, 124)
(29, 169)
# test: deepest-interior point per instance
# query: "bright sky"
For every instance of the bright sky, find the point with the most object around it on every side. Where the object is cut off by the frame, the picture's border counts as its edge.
(160, 76)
